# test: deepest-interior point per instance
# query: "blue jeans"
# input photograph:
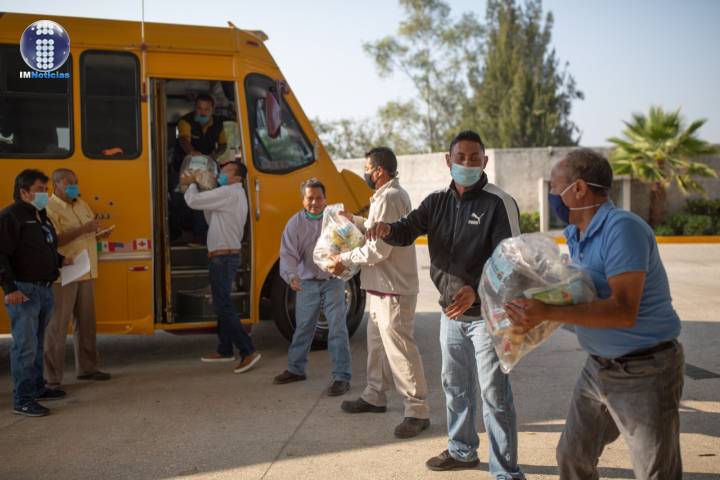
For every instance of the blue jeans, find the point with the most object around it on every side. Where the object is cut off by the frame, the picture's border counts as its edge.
(229, 330)
(468, 355)
(28, 322)
(312, 297)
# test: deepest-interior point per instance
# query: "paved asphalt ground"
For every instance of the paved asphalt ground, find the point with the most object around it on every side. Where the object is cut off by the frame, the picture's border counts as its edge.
(166, 415)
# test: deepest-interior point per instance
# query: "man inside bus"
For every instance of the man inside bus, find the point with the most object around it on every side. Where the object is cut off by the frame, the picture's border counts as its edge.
(316, 290)
(200, 132)
(226, 210)
(77, 229)
(29, 264)
(390, 277)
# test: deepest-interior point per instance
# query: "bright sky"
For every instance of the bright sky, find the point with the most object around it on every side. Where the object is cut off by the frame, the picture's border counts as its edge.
(625, 55)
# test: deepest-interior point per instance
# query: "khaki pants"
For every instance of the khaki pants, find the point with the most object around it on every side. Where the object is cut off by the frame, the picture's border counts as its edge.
(393, 355)
(76, 302)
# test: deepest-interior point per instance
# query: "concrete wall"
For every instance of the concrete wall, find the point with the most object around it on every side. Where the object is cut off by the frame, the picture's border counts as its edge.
(518, 171)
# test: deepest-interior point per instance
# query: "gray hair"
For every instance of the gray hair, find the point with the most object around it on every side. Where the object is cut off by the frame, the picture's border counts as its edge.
(312, 183)
(590, 166)
(62, 174)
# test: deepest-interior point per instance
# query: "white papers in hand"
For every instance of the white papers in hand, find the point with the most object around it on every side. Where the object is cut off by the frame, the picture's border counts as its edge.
(80, 266)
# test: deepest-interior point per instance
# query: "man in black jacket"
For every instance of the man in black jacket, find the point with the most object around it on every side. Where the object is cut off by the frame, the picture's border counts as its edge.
(464, 223)
(29, 263)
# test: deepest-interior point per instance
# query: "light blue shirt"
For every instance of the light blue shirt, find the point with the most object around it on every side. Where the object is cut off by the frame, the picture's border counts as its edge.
(616, 242)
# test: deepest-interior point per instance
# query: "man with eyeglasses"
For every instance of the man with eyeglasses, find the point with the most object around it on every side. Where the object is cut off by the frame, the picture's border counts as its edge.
(29, 264)
(77, 230)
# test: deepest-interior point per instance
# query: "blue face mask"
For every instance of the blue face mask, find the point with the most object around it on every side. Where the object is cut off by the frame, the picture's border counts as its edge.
(563, 211)
(72, 191)
(40, 200)
(465, 176)
(202, 119)
(223, 180)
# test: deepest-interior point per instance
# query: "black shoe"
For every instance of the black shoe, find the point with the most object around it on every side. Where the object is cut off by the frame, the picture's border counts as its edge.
(31, 409)
(444, 462)
(288, 377)
(361, 406)
(411, 427)
(50, 394)
(337, 388)
(100, 376)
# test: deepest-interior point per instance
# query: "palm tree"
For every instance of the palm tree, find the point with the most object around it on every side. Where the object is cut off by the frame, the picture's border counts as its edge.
(658, 150)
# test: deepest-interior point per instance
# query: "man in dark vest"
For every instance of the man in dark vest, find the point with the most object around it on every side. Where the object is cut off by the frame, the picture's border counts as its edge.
(199, 133)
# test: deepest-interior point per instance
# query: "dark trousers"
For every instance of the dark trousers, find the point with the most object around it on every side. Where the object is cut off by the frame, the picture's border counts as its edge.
(229, 330)
(638, 398)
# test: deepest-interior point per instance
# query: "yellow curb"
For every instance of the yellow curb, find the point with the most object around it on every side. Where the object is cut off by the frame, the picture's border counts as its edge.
(675, 239)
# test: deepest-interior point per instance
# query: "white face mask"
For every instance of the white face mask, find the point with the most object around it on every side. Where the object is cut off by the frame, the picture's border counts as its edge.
(588, 207)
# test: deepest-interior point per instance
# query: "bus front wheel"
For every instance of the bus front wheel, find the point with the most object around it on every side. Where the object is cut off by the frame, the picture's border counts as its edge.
(283, 308)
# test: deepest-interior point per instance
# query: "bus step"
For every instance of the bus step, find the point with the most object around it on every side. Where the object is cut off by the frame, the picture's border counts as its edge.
(188, 256)
(196, 305)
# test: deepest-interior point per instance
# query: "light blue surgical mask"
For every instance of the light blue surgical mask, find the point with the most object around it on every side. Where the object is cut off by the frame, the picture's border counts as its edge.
(72, 191)
(40, 200)
(223, 180)
(465, 176)
(202, 119)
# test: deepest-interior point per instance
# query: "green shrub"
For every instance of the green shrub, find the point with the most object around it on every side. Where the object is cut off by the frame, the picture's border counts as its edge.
(529, 222)
(702, 206)
(677, 222)
(664, 230)
(699, 225)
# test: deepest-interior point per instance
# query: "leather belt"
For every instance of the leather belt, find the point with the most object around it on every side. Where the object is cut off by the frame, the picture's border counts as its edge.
(643, 352)
(218, 253)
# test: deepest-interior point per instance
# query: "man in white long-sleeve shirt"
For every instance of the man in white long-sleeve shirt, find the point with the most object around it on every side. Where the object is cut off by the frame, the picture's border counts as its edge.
(389, 275)
(226, 210)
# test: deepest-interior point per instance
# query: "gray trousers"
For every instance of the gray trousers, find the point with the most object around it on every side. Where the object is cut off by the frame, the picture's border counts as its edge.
(638, 398)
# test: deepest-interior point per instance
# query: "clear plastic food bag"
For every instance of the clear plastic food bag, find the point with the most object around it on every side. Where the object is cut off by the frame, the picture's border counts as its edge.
(338, 235)
(527, 266)
(203, 168)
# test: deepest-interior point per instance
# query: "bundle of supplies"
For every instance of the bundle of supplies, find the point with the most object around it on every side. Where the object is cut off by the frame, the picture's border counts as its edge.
(203, 169)
(338, 235)
(527, 266)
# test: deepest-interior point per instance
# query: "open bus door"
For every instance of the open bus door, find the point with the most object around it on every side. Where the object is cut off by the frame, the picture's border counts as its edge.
(181, 277)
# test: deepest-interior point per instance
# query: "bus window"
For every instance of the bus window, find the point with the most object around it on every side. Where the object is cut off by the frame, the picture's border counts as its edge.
(35, 113)
(290, 149)
(110, 100)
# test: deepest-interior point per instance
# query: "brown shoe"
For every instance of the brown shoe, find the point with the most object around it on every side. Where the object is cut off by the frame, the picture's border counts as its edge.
(337, 388)
(444, 462)
(288, 377)
(361, 406)
(247, 362)
(411, 427)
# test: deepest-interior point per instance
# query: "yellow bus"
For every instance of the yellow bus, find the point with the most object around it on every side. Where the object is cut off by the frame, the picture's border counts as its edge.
(114, 122)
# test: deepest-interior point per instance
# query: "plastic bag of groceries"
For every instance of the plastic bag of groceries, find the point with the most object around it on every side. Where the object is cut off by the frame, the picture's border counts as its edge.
(527, 266)
(338, 235)
(203, 168)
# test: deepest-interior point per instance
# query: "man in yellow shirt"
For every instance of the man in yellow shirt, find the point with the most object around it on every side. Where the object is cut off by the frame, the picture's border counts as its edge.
(200, 132)
(76, 227)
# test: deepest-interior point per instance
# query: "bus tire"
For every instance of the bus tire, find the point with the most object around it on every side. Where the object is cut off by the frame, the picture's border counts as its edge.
(283, 310)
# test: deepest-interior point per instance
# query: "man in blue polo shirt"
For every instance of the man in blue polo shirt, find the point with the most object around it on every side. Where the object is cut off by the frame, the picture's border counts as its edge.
(632, 381)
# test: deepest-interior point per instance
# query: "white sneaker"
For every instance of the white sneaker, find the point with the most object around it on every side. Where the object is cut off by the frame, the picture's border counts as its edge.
(247, 362)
